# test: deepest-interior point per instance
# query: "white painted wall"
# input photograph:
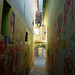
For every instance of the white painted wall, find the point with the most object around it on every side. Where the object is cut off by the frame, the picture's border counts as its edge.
(26, 9)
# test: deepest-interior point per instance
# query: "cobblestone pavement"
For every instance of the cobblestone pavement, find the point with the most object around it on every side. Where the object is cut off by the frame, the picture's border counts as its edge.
(39, 61)
(39, 67)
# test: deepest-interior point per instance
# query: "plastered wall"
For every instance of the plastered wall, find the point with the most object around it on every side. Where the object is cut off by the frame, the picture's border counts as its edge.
(16, 58)
(1, 6)
(41, 37)
(26, 9)
(59, 16)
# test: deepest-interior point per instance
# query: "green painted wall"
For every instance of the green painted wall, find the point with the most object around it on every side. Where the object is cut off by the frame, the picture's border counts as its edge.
(59, 16)
(6, 19)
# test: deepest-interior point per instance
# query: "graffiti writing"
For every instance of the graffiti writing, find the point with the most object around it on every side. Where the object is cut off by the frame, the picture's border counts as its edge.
(68, 4)
(68, 68)
(3, 48)
(72, 44)
(52, 62)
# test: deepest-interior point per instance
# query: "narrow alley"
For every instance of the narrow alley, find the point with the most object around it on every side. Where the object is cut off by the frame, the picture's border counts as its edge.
(39, 67)
(37, 37)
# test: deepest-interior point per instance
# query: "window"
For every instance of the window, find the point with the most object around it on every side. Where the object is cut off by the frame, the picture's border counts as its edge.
(26, 37)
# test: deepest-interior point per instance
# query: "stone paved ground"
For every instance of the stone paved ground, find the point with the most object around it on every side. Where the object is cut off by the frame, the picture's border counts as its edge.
(39, 61)
(39, 67)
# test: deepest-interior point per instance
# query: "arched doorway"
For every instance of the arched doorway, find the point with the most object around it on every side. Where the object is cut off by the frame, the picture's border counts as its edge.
(40, 55)
(41, 52)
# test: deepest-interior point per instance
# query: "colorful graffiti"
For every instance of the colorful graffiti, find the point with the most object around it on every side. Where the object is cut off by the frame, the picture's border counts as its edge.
(68, 10)
(64, 44)
(72, 45)
(59, 26)
(11, 33)
(52, 62)
(61, 43)
(3, 48)
(68, 4)
(69, 68)
(9, 59)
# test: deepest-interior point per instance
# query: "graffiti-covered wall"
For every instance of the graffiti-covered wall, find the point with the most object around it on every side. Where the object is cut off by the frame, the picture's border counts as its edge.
(16, 42)
(59, 16)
